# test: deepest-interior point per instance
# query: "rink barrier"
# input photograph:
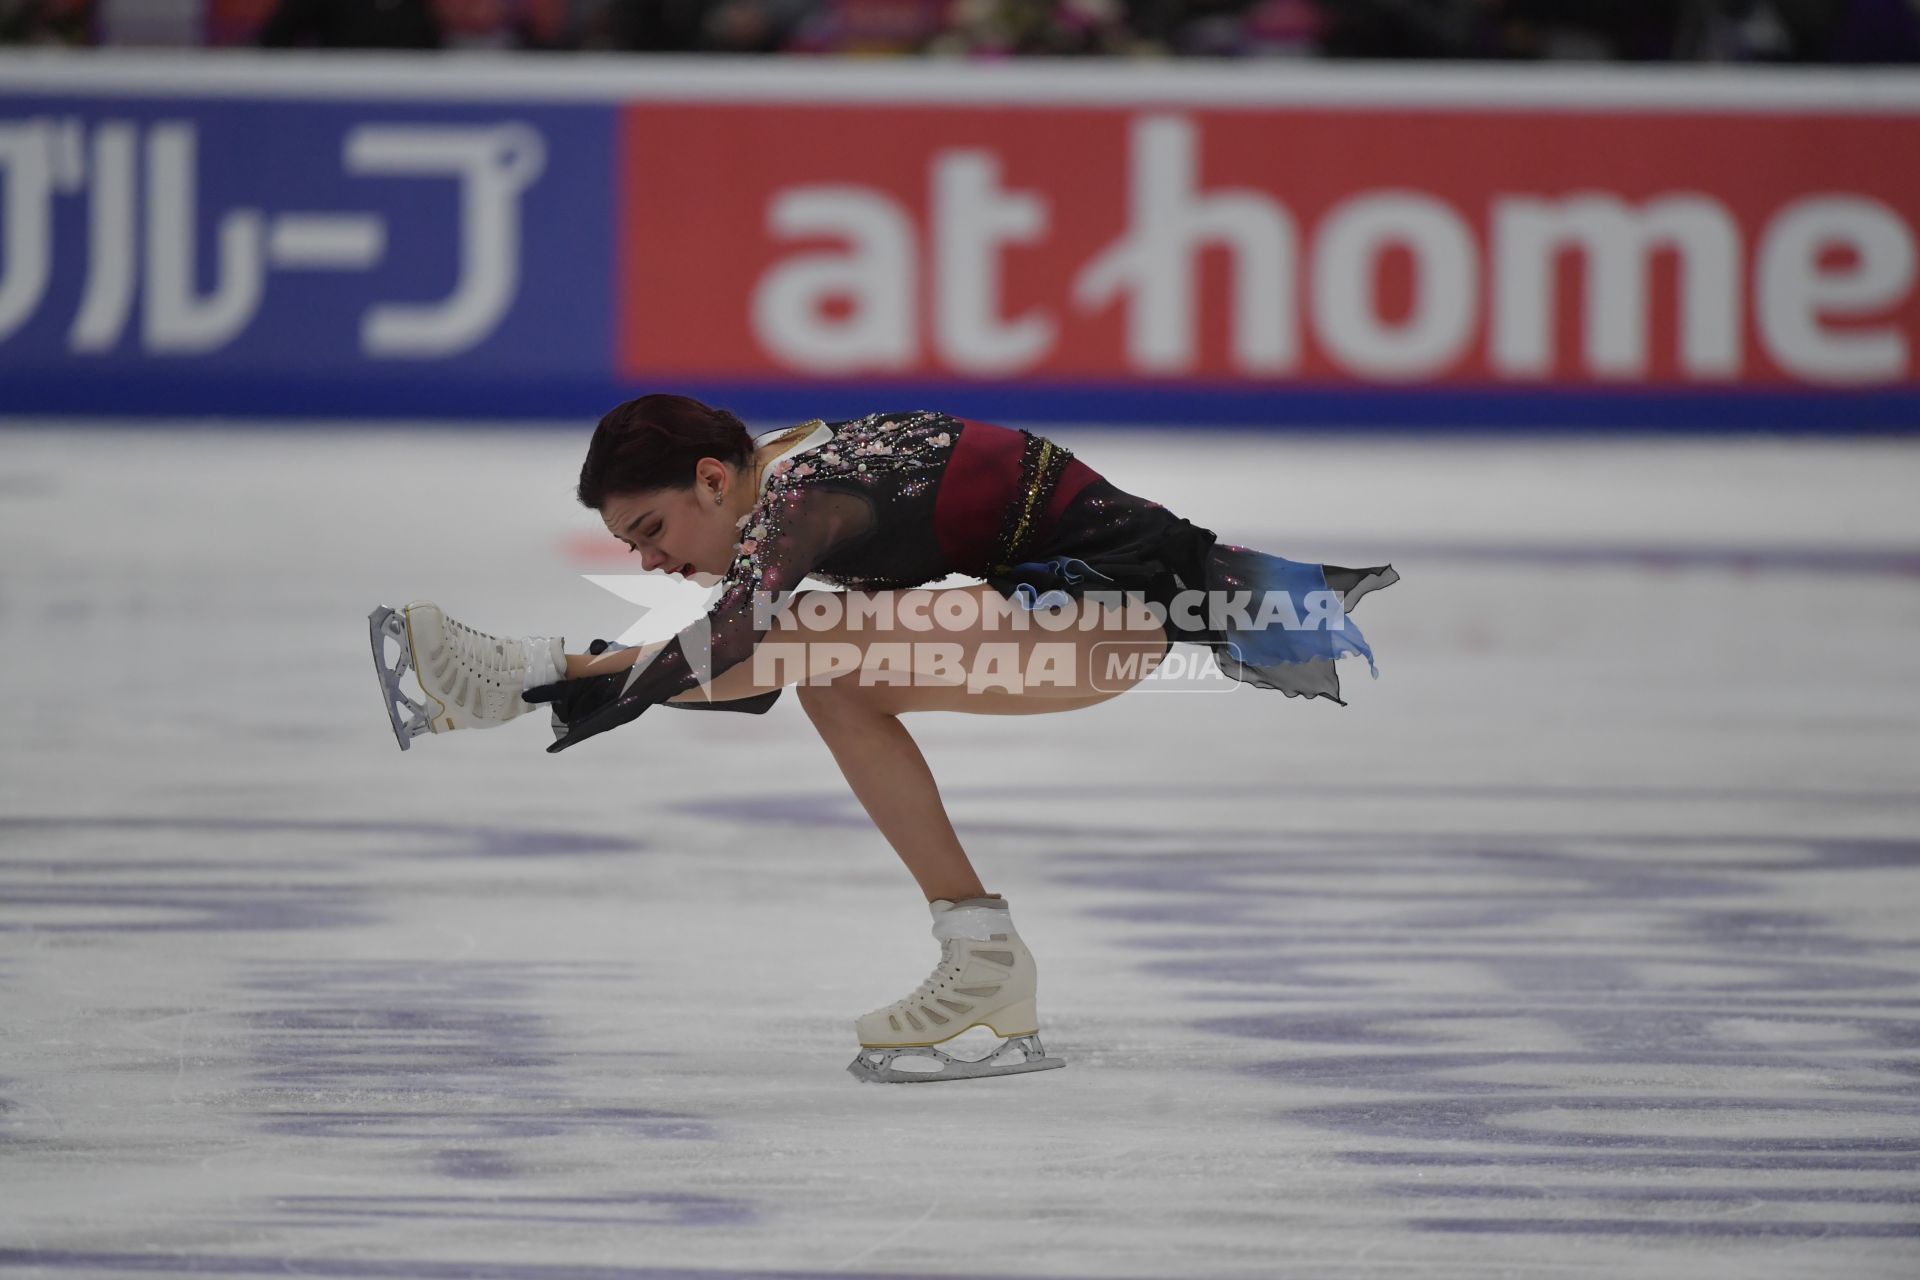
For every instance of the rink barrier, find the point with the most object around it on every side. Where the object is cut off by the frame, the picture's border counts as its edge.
(499, 238)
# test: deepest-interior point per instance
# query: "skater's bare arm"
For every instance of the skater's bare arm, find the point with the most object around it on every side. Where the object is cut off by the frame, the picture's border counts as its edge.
(587, 664)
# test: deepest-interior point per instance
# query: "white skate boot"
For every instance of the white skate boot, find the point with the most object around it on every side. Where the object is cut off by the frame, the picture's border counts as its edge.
(985, 978)
(469, 679)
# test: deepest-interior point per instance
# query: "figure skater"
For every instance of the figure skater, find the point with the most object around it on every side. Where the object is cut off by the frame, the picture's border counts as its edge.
(1085, 588)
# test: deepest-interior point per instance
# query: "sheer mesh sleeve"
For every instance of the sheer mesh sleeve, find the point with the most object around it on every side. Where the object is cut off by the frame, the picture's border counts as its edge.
(789, 532)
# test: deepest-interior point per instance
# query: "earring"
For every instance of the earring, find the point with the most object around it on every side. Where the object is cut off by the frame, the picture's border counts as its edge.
(716, 499)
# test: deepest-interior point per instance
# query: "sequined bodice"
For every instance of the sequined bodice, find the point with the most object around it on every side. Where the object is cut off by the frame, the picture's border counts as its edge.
(853, 504)
(887, 463)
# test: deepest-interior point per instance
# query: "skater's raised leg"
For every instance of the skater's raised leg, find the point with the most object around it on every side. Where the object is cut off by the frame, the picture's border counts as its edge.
(468, 679)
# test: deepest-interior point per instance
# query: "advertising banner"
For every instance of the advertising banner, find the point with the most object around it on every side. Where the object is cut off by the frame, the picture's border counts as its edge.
(1336, 251)
(206, 256)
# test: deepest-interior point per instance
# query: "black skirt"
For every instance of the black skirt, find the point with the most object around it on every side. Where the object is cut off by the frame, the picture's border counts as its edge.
(1270, 622)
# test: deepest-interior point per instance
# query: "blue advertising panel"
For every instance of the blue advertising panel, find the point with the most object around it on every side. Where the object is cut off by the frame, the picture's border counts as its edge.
(234, 256)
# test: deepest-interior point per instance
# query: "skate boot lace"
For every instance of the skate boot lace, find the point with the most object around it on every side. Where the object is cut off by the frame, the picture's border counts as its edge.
(479, 652)
(935, 980)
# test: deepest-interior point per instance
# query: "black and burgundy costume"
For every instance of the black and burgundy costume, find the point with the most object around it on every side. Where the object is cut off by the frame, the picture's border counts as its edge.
(899, 500)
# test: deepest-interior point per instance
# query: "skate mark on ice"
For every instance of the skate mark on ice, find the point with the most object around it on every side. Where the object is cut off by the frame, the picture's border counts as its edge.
(635, 1208)
(827, 811)
(87, 875)
(1656, 1008)
(1734, 1196)
(76, 1260)
(416, 1125)
(1639, 1226)
(394, 838)
(455, 1051)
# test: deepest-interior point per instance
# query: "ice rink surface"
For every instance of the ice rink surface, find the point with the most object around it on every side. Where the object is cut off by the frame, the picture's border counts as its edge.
(1582, 943)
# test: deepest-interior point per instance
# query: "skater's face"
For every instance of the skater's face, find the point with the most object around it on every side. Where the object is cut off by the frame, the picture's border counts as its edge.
(687, 532)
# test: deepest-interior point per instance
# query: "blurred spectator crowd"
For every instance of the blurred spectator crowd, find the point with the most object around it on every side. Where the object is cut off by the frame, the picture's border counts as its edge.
(1636, 30)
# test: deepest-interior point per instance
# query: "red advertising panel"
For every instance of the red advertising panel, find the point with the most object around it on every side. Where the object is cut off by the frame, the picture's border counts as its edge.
(1268, 244)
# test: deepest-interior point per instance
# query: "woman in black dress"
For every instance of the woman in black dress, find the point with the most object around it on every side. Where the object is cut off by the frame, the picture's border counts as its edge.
(1085, 589)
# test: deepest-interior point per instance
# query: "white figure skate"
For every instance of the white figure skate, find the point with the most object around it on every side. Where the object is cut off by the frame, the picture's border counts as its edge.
(468, 679)
(985, 978)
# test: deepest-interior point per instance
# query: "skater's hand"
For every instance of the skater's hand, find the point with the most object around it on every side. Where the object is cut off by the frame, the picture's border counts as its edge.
(576, 699)
(586, 706)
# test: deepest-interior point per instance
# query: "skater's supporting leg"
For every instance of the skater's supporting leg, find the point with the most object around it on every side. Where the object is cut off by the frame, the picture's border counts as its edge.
(860, 724)
(986, 978)
(859, 721)
(889, 776)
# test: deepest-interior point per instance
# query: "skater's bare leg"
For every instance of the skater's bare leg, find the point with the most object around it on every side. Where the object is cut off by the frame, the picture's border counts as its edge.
(860, 723)
(888, 775)
(890, 778)
(880, 759)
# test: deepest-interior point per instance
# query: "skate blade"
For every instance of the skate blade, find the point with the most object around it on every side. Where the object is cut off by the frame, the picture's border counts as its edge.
(385, 624)
(875, 1066)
